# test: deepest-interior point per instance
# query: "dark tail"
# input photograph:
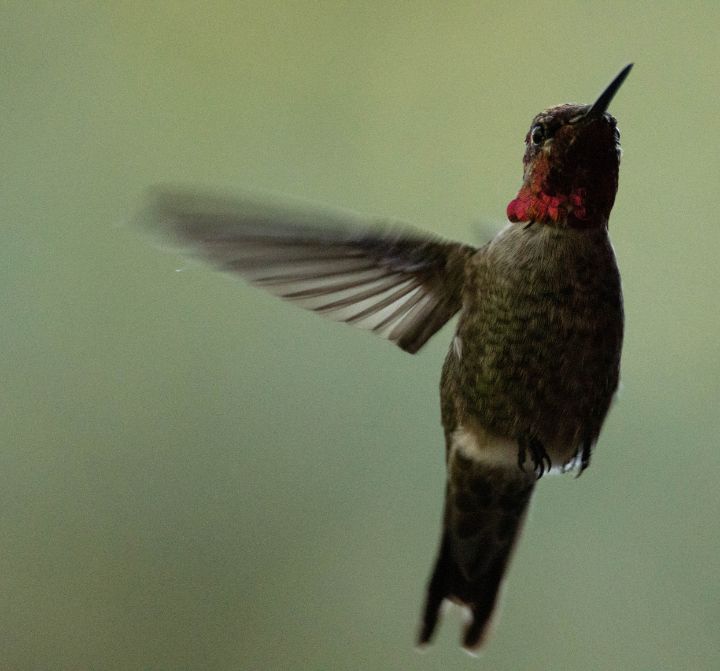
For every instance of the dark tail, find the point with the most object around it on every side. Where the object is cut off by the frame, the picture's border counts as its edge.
(484, 509)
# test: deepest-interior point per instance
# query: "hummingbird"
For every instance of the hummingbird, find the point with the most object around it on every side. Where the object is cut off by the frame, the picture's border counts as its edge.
(534, 363)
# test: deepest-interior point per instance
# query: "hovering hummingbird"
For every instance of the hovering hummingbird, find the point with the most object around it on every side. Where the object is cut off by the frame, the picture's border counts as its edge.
(534, 364)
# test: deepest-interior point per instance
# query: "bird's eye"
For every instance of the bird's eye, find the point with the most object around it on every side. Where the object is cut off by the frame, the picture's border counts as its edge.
(537, 135)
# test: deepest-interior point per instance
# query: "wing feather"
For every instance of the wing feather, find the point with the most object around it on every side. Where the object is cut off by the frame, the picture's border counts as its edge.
(381, 276)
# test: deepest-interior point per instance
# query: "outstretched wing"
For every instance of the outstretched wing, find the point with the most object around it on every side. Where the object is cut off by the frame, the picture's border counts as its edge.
(395, 282)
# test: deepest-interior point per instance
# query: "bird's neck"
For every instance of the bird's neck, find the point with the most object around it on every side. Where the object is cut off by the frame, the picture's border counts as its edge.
(547, 197)
(557, 209)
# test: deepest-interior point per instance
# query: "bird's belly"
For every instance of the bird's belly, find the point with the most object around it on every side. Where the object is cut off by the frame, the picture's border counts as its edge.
(546, 375)
(475, 442)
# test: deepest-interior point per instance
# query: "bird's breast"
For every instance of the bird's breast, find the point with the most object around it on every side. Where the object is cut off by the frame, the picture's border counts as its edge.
(539, 336)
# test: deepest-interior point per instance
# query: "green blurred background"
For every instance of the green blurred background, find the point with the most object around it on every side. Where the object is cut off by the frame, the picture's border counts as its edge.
(194, 475)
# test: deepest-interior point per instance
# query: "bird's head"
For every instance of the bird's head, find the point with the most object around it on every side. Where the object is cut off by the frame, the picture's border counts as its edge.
(571, 161)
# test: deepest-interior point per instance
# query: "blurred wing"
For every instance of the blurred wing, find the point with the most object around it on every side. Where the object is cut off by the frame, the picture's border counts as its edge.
(399, 284)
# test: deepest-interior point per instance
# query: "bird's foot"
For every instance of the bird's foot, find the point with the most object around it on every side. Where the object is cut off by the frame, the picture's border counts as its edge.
(540, 460)
(584, 455)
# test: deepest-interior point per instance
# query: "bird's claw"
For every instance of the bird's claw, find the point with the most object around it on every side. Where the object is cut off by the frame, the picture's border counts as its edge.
(540, 458)
(584, 454)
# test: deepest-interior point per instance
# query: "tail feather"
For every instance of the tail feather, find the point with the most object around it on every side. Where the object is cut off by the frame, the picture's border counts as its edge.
(484, 509)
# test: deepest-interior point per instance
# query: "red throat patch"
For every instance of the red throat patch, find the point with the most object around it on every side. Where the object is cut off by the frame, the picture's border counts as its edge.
(529, 205)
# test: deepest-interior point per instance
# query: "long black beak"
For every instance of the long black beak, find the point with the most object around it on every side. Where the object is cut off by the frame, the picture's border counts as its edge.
(603, 102)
